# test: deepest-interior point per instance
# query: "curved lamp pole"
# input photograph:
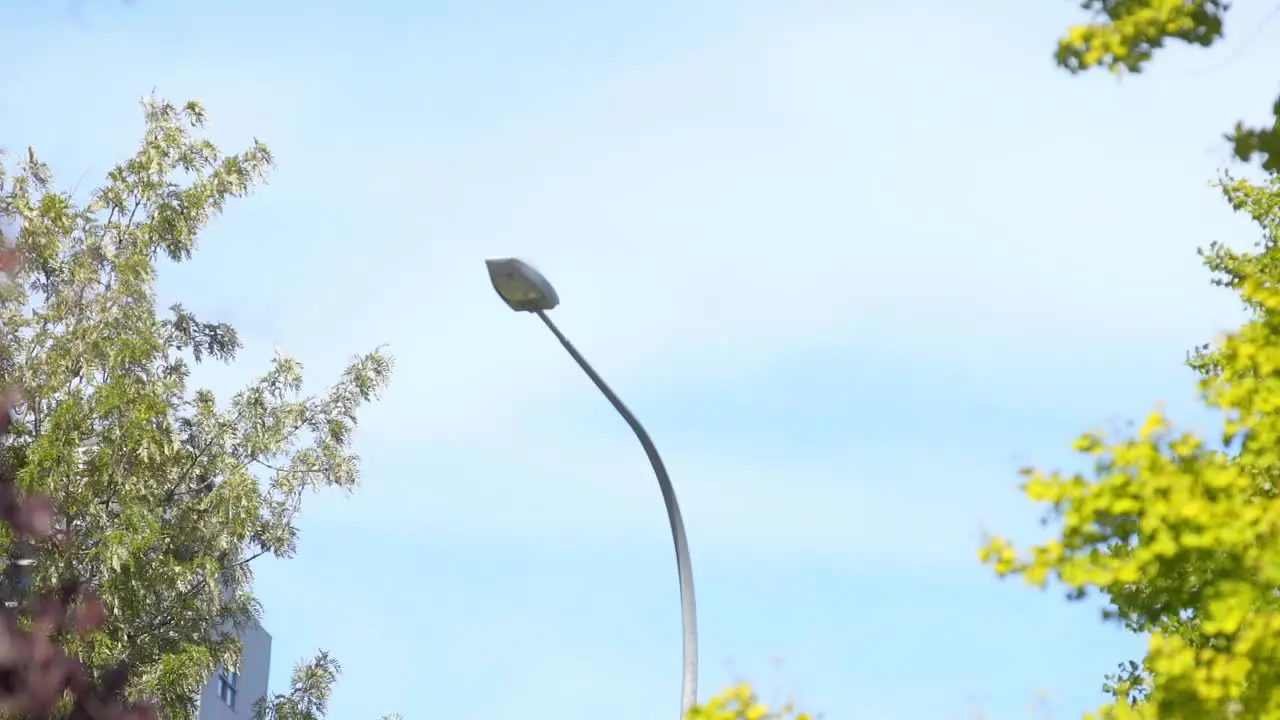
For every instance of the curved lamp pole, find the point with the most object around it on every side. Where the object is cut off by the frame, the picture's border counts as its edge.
(524, 289)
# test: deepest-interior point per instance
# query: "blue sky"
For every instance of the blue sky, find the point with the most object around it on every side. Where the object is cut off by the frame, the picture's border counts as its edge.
(852, 264)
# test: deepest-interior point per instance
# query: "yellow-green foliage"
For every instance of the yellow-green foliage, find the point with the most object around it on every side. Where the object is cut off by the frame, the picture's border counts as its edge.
(1180, 535)
(1125, 33)
(740, 703)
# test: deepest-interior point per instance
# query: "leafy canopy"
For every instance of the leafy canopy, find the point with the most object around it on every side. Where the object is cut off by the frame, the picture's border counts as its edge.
(1125, 34)
(741, 703)
(309, 689)
(1180, 534)
(166, 495)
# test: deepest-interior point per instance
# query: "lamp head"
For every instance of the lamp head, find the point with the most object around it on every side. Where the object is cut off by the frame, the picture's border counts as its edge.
(523, 288)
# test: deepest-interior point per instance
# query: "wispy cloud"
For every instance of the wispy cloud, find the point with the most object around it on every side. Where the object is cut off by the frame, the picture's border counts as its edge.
(852, 265)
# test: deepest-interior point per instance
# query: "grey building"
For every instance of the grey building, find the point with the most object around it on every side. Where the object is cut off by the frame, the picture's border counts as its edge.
(231, 693)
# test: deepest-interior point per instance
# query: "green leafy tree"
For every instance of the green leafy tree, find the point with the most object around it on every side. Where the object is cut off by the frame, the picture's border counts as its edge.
(165, 495)
(1181, 534)
(1178, 533)
(309, 689)
(740, 702)
(1125, 34)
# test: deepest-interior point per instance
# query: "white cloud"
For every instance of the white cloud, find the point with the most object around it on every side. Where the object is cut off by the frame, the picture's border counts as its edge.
(785, 187)
(743, 198)
(552, 486)
(701, 222)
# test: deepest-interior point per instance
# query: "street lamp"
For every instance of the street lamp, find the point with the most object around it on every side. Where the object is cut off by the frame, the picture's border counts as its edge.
(524, 289)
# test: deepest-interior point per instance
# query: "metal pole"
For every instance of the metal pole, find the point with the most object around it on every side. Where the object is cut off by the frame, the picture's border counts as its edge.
(684, 567)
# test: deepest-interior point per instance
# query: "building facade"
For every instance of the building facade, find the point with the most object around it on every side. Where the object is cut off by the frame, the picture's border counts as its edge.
(232, 692)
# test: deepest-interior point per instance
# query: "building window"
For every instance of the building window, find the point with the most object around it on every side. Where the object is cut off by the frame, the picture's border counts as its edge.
(227, 680)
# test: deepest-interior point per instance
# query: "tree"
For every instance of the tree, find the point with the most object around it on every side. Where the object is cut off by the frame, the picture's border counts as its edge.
(37, 677)
(1125, 34)
(308, 696)
(165, 496)
(741, 703)
(1180, 534)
